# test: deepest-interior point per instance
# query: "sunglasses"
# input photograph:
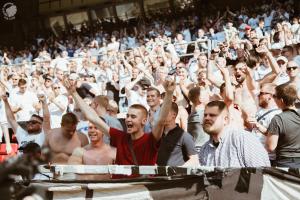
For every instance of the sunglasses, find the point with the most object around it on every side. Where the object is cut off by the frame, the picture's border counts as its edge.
(33, 122)
(56, 88)
(291, 68)
(263, 93)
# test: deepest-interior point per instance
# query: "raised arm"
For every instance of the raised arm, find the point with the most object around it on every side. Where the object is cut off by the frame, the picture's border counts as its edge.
(46, 113)
(229, 97)
(9, 114)
(165, 109)
(273, 63)
(88, 112)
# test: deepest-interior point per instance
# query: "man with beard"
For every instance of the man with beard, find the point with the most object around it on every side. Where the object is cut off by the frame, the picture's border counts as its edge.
(229, 146)
(134, 147)
(35, 127)
(244, 89)
(267, 110)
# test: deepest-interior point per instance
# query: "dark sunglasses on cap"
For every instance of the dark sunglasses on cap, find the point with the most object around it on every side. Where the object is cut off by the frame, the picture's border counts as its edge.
(291, 68)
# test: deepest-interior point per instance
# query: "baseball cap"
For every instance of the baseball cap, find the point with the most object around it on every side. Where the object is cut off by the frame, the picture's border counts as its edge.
(73, 76)
(282, 58)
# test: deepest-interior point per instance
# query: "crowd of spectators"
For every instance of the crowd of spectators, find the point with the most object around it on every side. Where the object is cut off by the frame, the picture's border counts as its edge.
(216, 90)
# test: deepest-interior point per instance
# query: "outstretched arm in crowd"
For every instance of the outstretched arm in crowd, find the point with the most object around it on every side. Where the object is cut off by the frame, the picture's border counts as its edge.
(229, 97)
(46, 114)
(88, 112)
(165, 109)
(210, 75)
(132, 84)
(273, 63)
(9, 114)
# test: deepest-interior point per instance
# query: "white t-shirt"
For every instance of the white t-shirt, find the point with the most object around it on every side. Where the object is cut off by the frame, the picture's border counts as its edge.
(60, 63)
(135, 98)
(55, 112)
(23, 137)
(3, 118)
(26, 102)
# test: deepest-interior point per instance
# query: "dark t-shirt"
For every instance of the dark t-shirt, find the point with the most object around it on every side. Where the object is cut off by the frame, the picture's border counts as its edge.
(145, 149)
(287, 126)
(175, 148)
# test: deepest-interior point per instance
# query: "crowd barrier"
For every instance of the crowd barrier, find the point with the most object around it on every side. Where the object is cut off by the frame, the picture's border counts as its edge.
(171, 183)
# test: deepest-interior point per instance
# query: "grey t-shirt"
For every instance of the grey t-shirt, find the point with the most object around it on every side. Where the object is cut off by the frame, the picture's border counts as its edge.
(195, 128)
(175, 148)
(287, 126)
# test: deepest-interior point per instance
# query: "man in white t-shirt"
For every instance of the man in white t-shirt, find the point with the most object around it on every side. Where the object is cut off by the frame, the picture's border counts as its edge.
(24, 103)
(57, 105)
(35, 127)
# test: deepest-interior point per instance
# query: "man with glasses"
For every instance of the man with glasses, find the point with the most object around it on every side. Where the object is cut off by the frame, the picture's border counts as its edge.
(57, 105)
(283, 133)
(266, 111)
(293, 72)
(35, 127)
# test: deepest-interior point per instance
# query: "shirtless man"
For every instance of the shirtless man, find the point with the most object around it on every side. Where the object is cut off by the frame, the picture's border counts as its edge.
(95, 153)
(62, 141)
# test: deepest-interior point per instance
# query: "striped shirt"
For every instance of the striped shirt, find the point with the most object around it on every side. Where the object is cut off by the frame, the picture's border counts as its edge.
(237, 148)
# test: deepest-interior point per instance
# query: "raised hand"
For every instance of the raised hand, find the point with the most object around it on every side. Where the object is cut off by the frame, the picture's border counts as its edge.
(42, 98)
(71, 88)
(262, 49)
(4, 97)
(169, 86)
(221, 65)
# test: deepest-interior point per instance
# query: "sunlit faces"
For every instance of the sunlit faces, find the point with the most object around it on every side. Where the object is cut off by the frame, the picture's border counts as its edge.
(34, 125)
(15, 80)
(135, 72)
(153, 98)
(94, 133)
(202, 61)
(68, 129)
(135, 120)
(292, 69)
(56, 89)
(201, 76)
(214, 120)
(22, 88)
(181, 72)
(239, 72)
(264, 98)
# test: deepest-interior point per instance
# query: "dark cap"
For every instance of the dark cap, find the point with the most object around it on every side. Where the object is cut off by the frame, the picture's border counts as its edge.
(144, 82)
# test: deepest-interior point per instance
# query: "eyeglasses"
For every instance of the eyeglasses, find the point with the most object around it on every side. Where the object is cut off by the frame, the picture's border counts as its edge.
(33, 122)
(56, 88)
(291, 68)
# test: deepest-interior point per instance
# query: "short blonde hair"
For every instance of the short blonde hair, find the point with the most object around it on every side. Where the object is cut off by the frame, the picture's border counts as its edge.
(113, 105)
